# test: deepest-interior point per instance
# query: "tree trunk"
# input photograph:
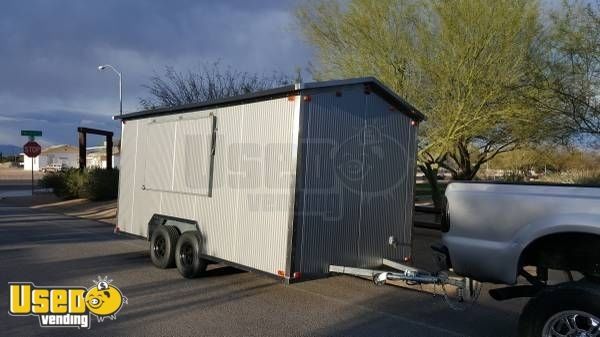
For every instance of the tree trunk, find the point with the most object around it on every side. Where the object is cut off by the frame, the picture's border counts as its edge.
(466, 173)
(431, 176)
(465, 169)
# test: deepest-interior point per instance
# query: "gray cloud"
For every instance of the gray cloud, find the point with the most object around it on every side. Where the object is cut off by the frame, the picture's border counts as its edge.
(50, 50)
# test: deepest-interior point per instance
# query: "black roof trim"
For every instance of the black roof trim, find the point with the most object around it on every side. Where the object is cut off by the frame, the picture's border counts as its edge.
(287, 90)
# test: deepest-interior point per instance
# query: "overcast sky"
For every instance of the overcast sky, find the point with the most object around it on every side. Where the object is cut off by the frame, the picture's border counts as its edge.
(50, 50)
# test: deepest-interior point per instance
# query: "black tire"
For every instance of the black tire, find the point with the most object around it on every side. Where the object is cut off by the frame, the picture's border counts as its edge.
(580, 300)
(162, 246)
(187, 258)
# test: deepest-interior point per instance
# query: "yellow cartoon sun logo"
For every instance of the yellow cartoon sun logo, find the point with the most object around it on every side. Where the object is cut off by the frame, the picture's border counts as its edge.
(104, 300)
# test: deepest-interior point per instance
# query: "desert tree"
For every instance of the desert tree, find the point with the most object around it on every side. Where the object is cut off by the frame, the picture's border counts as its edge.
(567, 69)
(211, 81)
(461, 62)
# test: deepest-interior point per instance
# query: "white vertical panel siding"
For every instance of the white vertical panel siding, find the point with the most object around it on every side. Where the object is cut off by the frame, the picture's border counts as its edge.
(145, 202)
(217, 214)
(159, 158)
(245, 220)
(264, 190)
(192, 159)
(178, 205)
(126, 174)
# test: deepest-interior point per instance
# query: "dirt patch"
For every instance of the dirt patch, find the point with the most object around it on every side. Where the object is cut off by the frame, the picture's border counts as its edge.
(17, 176)
(104, 211)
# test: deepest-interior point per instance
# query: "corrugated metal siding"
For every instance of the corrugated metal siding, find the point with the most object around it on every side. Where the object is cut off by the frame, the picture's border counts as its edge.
(330, 206)
(145, 202)
(126, 174)
(191, 164)
(345, 207)
(387, 189)
(159, 158)
(179, 205)
(242, 221)
(264, 191)
(357, 157)
(216, 215)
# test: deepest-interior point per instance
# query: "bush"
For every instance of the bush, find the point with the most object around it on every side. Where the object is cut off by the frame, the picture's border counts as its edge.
(579, 177)
(54, 180)
(75, 184)
(102, 184)
(513, 177)
(94, 184)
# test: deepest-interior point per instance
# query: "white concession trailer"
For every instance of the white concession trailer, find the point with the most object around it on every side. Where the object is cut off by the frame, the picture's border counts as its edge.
(286, 181)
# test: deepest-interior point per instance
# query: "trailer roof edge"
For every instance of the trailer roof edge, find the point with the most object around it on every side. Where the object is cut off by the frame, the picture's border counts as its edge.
(297, 88)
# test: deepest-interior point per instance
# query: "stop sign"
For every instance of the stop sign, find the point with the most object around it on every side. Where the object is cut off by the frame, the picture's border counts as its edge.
(32, 149)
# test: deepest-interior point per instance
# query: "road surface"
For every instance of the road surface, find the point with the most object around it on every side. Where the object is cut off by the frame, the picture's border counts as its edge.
(52, 249)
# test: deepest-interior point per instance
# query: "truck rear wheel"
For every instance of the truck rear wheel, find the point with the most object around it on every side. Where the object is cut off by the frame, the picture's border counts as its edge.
(188, 260)
(162, 246)
(568, 309)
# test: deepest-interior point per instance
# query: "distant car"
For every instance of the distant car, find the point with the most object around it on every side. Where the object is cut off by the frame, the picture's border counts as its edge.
(53, 168)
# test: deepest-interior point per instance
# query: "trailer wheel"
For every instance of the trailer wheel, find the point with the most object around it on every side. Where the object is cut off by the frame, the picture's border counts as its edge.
(568, 309)
(188, 260)
(162, 246)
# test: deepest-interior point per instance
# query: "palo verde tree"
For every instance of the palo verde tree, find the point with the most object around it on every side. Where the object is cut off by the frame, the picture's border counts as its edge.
(458, 61)
(567, 69)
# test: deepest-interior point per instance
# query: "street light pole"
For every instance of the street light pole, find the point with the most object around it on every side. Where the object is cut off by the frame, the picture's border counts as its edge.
(120, 84)
(120, 94)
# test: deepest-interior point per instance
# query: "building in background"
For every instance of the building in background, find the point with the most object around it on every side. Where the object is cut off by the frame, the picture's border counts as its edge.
(63, 155)
(96, 155)
(67, 156)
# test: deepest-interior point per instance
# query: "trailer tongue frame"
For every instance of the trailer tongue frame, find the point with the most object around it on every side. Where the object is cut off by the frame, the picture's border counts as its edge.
(466, 289)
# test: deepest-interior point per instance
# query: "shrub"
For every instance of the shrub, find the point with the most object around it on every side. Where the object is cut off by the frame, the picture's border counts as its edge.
(55, 181)
(94, 184)
(75, 184)
(102, 184)
(580, 177)
(513, 177)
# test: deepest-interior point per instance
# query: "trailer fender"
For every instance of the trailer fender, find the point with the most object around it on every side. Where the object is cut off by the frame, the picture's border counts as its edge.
(182, 225)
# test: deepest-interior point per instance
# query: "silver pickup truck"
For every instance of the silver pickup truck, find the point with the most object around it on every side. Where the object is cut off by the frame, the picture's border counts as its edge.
(496, 232)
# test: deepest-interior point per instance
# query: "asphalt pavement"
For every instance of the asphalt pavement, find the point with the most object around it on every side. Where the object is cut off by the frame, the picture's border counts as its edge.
(52, 249)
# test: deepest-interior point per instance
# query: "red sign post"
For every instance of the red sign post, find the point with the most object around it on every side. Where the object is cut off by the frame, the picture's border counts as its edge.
(32, 150)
